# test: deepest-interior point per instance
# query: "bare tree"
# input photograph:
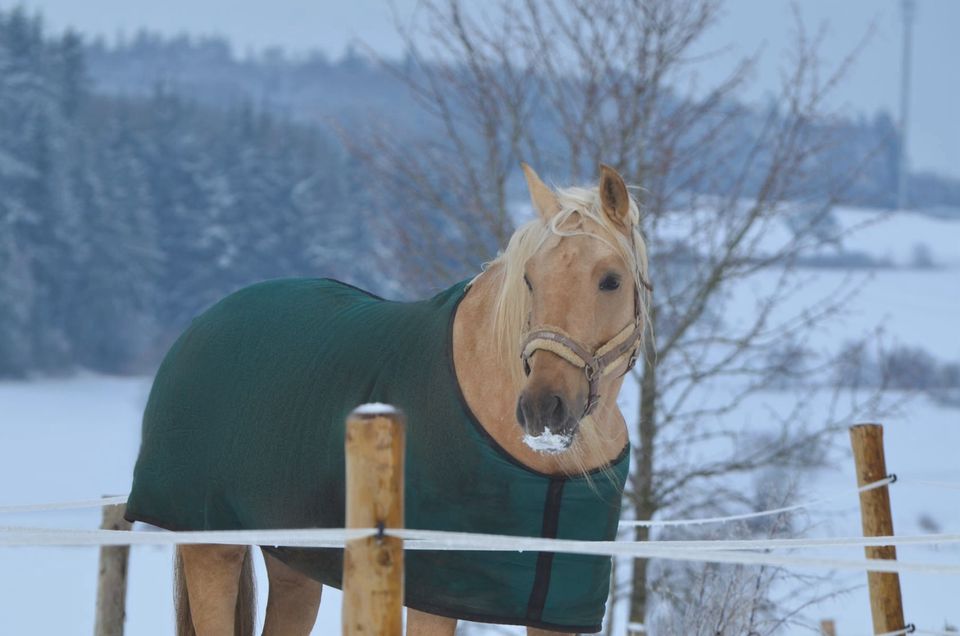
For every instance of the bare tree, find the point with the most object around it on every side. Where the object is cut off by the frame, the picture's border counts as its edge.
(567, 84)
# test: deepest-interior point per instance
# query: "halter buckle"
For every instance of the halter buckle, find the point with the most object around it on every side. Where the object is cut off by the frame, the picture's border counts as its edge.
(591, 369)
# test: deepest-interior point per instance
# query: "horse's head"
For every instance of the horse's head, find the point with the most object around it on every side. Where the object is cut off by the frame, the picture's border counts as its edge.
(582, 268)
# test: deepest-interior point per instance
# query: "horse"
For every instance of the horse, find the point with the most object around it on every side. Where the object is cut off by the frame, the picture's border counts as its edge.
(509, 381)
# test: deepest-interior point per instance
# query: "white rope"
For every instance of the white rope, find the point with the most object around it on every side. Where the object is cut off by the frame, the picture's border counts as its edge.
(936, 484)
(313, 537)
(633, 523)
(65, 505)
(502, 542)
(653, 551)
(935, 632)
(435, 540)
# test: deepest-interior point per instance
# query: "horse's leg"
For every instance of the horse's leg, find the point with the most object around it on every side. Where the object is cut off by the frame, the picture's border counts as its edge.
(293, 601)
(423, 624)
(533, 631)
(212, 575)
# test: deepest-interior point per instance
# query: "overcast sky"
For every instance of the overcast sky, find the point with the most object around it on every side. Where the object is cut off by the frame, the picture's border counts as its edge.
(748, 26)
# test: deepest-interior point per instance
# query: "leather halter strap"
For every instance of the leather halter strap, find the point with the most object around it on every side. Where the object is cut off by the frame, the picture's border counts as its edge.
(622, 348)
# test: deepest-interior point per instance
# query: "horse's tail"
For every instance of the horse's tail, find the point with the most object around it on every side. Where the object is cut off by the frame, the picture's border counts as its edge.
(245, 613)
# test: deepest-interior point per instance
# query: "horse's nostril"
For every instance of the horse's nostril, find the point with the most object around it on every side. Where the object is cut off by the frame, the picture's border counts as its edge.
(559, 410)
(542, 411)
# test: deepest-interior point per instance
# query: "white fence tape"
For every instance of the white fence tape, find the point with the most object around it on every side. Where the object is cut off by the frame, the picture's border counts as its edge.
(65, 505)
(313, 537)
(436, 540)
(718, 551)
(742, 552)
(632, 523)
(910, 629)
(647, 551)
(432, 540)
(936, 484)
(504, 542)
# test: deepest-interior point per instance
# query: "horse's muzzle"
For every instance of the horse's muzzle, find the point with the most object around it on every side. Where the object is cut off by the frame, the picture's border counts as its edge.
(547, 421)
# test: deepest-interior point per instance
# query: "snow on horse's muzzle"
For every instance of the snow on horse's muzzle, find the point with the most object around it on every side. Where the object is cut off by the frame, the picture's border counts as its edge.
(547, 421)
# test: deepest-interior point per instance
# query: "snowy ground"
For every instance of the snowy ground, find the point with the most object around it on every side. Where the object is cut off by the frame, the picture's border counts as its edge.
(77, 438)
(921, 444)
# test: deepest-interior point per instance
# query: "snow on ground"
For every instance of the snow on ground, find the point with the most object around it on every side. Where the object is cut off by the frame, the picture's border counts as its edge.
(915, 306)
(894, 237)
(921, 444)
(77, 438)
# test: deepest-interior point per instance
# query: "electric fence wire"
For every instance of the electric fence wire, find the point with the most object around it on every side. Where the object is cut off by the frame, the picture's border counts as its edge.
(438, 540)
(633, 523)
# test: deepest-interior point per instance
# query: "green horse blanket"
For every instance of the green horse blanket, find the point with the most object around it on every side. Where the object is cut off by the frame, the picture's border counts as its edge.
(244, 429)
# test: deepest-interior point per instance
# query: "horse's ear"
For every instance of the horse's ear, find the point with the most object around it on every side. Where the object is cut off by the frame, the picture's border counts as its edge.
(614, 196)
(543, 199)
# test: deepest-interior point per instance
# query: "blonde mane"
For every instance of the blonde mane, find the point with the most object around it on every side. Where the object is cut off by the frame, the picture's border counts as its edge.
(512, 304)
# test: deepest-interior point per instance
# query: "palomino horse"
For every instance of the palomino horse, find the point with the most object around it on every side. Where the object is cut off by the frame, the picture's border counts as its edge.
(509, 382)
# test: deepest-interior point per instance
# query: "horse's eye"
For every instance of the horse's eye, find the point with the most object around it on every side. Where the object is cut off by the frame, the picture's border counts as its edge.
(527, 281)
(610, 283)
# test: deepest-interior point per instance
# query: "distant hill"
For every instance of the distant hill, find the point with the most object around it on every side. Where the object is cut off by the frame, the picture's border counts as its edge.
(353, 90)
(123, 216)
(312, 88)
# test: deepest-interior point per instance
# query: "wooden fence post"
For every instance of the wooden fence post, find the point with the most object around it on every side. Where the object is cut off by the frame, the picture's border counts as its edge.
(112, 577)
(828, 627)
(886, 604)
(373, 567)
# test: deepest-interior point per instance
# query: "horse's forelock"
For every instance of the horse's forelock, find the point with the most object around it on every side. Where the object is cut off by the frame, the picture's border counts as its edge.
(512, 301)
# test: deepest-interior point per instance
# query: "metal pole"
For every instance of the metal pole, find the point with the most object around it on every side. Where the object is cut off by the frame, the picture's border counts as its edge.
(909, 12)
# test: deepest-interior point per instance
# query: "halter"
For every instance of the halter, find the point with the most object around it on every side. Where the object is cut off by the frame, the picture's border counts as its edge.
(623, 347)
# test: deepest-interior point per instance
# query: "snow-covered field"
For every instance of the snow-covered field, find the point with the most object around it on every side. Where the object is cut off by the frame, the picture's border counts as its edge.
(74, 439)
(921, 445)
(77, 438)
